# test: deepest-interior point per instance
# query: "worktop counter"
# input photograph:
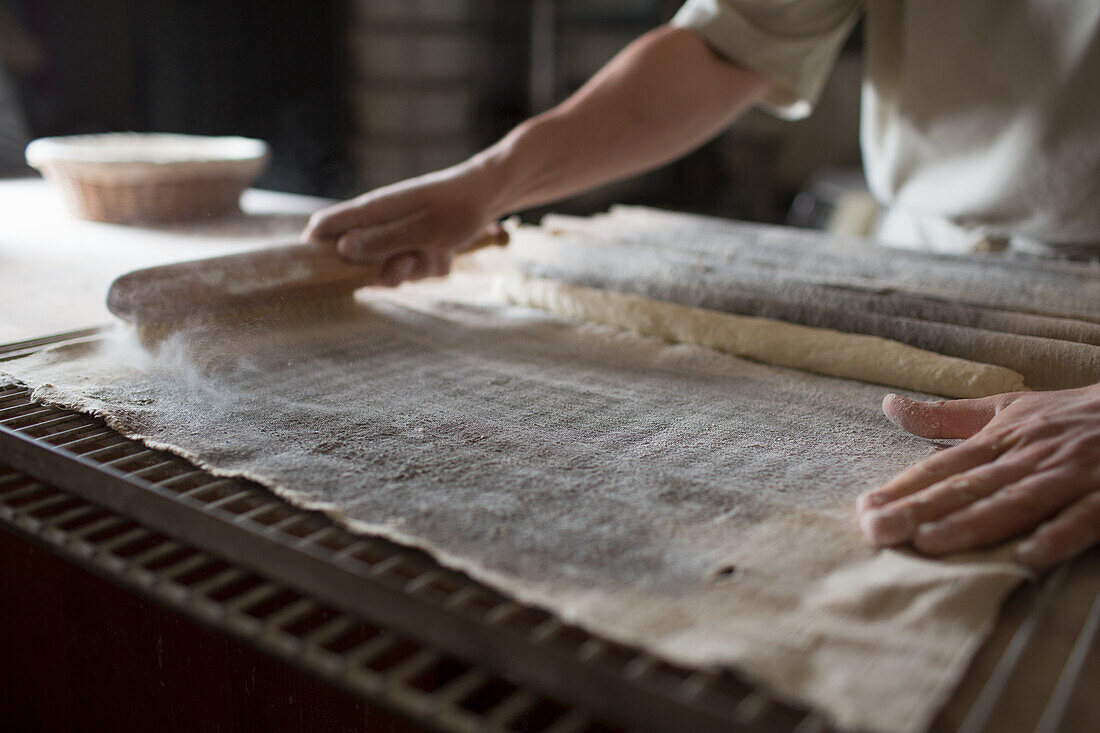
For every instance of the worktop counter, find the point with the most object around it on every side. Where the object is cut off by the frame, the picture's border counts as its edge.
(55, 269)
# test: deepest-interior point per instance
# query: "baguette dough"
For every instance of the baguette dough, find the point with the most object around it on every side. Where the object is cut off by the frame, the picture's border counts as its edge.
(820, 350)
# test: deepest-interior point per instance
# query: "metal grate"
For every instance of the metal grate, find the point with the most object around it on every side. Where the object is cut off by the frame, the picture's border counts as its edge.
(423, 683)
(388, 623)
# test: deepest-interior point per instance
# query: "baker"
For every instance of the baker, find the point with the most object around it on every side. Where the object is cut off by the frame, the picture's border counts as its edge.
(980, 126)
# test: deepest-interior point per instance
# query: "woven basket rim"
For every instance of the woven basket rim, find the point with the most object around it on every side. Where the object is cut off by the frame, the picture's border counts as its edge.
(145, 173)
(150, 150)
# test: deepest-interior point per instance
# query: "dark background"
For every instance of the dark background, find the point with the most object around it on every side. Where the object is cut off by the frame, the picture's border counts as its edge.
(286, 72)
(262, 69)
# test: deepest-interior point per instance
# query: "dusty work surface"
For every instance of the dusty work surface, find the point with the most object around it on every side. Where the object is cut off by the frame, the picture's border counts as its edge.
(687, 501)
(55, 268)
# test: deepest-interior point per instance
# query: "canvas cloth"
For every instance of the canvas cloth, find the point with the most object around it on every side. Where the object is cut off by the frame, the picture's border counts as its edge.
(667, 496)
(1037, 316)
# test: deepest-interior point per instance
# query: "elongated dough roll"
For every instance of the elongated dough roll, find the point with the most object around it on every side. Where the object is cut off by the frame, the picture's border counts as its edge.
(820, 350)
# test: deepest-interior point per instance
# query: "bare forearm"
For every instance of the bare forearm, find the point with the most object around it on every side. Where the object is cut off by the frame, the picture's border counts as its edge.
(662, 96)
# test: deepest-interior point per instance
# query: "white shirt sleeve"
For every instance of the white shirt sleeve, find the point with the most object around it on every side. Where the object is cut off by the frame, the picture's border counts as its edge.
(792, 42)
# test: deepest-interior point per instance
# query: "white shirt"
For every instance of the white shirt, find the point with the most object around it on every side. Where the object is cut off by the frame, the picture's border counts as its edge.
(980, 119)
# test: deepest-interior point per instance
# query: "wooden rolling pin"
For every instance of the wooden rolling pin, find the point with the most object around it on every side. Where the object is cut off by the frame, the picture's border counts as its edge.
(251, 281)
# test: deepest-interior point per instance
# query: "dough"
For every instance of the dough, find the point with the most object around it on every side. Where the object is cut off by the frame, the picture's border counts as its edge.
(820, 350)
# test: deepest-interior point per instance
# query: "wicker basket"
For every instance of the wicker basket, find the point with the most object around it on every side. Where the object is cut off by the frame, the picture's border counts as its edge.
(128, 178)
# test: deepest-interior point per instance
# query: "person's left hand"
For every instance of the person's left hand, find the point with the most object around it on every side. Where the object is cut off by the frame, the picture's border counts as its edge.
(1030, 463)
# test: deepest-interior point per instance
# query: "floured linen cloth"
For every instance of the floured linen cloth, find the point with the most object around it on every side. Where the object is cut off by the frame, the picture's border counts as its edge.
(667, 496)
(1038, 317)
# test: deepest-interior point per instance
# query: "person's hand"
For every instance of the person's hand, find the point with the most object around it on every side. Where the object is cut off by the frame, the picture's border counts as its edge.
(1030, 464)
(413, 228)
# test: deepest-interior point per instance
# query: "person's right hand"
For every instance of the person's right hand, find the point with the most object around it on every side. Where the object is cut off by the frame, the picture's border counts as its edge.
(413, 228)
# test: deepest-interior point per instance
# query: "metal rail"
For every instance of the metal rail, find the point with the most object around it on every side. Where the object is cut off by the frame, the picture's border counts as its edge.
(318, 639)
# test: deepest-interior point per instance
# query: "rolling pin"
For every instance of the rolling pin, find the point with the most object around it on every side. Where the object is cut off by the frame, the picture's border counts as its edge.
(250, 282)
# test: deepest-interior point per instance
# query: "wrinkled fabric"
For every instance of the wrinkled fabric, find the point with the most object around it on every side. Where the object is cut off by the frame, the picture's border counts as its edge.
(1038, 317)
(663, 495)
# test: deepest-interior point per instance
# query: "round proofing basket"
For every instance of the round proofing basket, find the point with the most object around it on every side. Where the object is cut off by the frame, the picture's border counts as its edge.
(128, 178)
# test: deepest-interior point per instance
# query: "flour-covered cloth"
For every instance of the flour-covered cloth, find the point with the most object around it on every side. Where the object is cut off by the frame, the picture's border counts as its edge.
(685, 501)
(1038, 317)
